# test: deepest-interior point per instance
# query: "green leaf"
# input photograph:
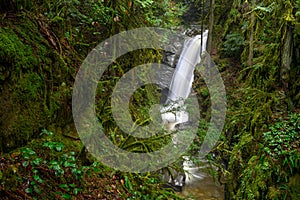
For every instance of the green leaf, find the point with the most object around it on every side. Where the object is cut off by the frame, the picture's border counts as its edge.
(59, 147)
(285, 162)
(27, 153)
(37, 178)
(53, 162)
(67, 188)
(25, 163)
(67, 34)
(66, 196)
(76, 191)
(72, 158)
(28, 190)
(66, 164)
(32, 183)
(127, 183)
(44, 131)
(95, 164)
(63, 186)
(50, 145)
(37, 161)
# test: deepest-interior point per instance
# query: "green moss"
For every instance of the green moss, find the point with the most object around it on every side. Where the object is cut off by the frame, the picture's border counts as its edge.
(16, 49)
(294, 186)
(265, 166)
(267, 170)
(35, 84)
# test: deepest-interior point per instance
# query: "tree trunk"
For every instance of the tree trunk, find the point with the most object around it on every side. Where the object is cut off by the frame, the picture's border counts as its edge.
(286, 60)
(251, 45)
(211, 25)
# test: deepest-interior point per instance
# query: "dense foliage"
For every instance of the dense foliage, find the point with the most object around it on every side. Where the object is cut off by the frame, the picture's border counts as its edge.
(42, 44)
(262, 134)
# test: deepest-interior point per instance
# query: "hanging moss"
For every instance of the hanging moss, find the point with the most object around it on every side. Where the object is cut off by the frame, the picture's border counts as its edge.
(265, 92)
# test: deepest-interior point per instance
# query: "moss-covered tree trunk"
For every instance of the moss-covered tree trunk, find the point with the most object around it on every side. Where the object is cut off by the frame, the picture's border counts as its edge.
(211, 25)
(251, 38)
(286, 60)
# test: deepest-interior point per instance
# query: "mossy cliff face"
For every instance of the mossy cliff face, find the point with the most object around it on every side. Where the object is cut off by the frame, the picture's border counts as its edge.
(261, 143)
(34, 78)
(42, 44)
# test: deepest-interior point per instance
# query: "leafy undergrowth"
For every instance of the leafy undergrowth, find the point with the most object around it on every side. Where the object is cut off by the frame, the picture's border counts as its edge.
(273, 172)
(50, 168)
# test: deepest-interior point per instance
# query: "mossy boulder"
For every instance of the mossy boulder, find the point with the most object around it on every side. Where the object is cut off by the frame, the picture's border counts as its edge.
(35, 82)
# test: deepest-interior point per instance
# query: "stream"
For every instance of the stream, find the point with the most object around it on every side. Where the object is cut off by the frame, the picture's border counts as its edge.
(198, 183)
(204, 189)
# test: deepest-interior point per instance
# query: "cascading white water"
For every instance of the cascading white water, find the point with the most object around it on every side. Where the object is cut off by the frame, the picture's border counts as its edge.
(184, 73)
(180, 87)
(198, 183)
(182, 80)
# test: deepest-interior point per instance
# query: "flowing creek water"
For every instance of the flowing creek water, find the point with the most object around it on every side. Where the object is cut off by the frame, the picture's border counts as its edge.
(198, 184)
(204, 189)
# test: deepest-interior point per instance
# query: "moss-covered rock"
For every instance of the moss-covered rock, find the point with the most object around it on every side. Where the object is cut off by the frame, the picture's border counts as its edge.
(35, 83)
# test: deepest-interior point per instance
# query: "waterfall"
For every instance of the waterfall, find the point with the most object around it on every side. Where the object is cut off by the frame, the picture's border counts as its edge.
(174, 112)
